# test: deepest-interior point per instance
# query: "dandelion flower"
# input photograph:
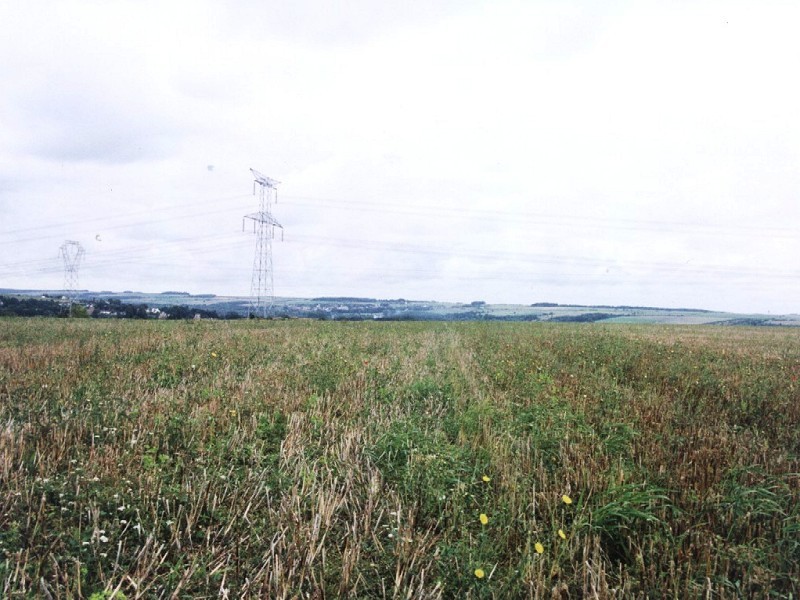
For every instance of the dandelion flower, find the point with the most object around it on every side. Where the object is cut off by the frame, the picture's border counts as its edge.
(561, 534)
(566, 499)
(486, 479)
(479, 573)
(484, 519)
(213, 355)
(539, 548)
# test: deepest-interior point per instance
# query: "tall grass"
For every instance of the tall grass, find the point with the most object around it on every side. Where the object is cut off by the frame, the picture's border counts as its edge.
(309, 459)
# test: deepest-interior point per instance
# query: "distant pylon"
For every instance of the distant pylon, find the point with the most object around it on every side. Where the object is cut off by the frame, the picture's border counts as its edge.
(72, 253)
(264, 224)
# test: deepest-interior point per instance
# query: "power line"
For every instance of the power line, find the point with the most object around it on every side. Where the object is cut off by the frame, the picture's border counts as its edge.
(494, 215)
(147, 211)
(516, 216)
(143, 254)
(122, 226)
(496, 255)
(138, 254)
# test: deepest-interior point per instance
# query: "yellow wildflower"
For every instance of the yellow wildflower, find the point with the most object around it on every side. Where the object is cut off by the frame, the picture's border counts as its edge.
(486, 479)
(561, 534)
(479, 573)
(539, 548)
(213, 355)
(484, 519)
(566, 499)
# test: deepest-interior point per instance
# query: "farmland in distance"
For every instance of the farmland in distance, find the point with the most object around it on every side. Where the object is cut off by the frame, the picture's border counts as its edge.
(320, 459)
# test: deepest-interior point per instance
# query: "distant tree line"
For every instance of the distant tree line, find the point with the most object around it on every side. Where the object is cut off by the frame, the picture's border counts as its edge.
(187, 312)
(31, 307)
(583, 318)
(11, 306)
(344, 299)
(617, 307)
(427, 316)
(116, 308)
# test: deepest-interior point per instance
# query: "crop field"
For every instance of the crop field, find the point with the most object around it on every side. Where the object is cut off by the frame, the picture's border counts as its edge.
(307, 459)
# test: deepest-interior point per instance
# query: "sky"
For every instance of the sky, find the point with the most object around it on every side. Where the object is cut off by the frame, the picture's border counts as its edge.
(625, 153)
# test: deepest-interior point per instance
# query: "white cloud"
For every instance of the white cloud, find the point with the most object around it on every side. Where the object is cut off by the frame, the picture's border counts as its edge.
(513, 151)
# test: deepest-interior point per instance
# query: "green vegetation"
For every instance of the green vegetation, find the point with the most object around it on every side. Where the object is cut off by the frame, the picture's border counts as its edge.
(145, 459)
(11, 306)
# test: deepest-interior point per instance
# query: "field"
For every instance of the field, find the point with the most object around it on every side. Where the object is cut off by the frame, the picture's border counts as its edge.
(308, 459)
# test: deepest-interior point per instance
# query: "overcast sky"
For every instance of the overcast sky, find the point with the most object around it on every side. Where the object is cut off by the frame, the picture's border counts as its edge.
(639, 153)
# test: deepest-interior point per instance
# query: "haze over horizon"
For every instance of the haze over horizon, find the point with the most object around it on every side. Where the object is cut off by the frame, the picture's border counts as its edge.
(616, 153)
(427, 301)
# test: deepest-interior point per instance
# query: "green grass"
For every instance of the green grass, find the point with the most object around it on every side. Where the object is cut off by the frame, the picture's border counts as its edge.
(312, 459)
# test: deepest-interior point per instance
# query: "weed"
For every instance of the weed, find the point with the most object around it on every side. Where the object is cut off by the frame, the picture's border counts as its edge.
(417, 460)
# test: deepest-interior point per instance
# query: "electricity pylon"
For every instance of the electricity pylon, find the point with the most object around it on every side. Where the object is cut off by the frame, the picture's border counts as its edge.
(72, 252)
(264, 224)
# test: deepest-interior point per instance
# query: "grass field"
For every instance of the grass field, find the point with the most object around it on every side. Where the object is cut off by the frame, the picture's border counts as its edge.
(399, 460)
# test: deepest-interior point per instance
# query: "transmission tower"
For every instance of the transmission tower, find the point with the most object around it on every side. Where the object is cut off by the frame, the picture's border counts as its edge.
(72, 253)
(264, 224)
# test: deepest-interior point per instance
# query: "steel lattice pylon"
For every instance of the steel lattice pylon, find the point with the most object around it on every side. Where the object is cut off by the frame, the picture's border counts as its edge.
(72, 252)
(264, 224)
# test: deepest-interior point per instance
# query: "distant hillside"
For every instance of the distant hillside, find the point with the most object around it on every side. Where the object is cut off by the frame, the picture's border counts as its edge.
(360, 308)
